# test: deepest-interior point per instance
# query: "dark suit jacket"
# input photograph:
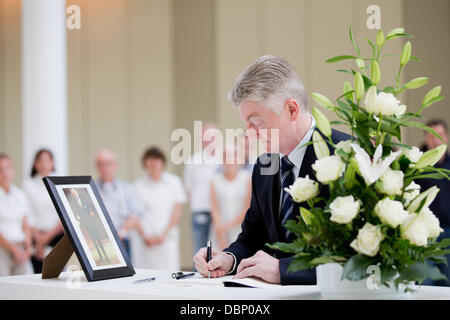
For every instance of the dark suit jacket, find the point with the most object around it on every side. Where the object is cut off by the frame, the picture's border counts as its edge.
(261, 223)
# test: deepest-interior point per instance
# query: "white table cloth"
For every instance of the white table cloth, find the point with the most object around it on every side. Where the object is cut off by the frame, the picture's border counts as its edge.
(73, 285)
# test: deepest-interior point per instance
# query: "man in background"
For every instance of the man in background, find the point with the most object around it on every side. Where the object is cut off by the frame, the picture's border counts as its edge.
(117, 196)
(440, 205)
(197, 176)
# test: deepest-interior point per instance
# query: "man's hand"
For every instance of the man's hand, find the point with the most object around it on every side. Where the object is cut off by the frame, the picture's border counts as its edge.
(260, 265)
(220, 264)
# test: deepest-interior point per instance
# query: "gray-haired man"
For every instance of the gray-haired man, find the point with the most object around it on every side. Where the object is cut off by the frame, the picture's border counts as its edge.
(269, 95)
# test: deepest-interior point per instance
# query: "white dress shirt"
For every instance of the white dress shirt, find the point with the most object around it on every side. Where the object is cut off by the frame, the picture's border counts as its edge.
(43, 213)
(198, 172)
(14, 208)
(158, 201)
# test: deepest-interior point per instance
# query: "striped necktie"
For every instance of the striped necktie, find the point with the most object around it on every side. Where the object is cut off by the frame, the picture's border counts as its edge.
(287, 179)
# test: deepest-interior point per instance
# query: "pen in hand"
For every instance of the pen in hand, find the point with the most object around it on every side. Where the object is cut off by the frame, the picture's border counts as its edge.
(208, 255)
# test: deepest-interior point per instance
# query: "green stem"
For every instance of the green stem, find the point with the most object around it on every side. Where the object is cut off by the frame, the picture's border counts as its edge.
(379, 128)
(398, 80)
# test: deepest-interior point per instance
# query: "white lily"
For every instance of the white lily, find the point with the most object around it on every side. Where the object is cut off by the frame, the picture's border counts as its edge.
(372, 169)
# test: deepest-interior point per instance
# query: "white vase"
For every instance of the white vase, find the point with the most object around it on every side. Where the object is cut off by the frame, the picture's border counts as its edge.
(332, 287)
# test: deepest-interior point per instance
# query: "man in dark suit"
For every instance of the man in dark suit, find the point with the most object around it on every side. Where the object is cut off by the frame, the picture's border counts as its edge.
(270, 96)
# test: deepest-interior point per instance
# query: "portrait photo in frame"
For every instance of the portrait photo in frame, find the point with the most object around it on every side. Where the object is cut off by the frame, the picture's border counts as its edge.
(88, 227)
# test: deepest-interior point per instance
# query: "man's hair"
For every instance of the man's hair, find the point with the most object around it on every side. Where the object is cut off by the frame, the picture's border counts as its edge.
(4, 156)
(269, 79)
(153, 153)
(437, 122)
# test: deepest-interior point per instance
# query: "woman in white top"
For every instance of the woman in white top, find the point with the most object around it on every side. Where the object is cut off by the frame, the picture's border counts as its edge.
(15, 235)
(230, 199)
(162, 197)
(44, 220)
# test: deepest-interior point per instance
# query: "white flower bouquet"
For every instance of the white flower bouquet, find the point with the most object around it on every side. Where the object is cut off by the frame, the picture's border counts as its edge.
(374, 214)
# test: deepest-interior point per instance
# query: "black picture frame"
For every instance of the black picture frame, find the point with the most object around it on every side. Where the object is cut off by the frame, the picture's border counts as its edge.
(92, 272)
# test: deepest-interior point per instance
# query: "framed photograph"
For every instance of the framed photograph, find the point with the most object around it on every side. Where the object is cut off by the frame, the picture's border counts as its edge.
(89, 228)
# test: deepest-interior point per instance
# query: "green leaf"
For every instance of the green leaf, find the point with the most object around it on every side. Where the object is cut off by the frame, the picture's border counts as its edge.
(355, 47)
(421, 271)
(431, 101)
(387, 273)
(374, 49)
(299, 264)
(340, 58)
(356, 268)
(425, 128)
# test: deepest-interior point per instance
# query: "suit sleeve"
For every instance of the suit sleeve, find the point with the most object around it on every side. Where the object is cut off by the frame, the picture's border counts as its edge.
(304, 277)
(253, 236)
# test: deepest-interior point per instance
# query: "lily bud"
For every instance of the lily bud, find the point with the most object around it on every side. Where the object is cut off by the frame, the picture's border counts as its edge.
(306, 215)
(359, 86)
(395, 31)
(320, 146)
(433, 93)
(406, 54)
(429, 195)
(348, 88)
(322, 122)
(380, 38)
(349, 178)
(321, 100)
(360, 63)
(370, 99)
(416, 83)
(430, 158)
(376, 75)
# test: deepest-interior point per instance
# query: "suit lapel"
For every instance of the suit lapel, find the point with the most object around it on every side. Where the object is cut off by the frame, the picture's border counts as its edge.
(271, 215)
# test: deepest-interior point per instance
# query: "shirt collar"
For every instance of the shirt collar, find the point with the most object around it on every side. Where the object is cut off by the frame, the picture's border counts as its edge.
(113, 183)
(11, 190)
(296, 155)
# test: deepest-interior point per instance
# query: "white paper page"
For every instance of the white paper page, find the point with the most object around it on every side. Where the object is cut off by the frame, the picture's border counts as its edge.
(199, 280)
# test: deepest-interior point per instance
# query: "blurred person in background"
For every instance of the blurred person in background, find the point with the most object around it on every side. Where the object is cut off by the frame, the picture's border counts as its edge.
(44, 220)
(439, 206)
(15, 234)
(198, 172)
(162, 196)
(230, 198)
(117, 195)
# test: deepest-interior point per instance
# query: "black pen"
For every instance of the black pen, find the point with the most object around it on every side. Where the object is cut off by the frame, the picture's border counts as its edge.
(208, 255)
(186, 275)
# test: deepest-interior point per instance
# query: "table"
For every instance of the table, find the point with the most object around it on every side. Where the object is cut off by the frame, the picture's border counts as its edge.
(74, 286)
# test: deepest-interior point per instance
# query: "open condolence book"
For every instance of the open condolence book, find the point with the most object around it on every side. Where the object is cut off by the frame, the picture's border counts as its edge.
(226, 281)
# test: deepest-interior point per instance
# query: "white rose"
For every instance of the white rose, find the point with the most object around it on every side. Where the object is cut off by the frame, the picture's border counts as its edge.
(418, 228)
(328, 169)
(368, 240)
(391, 212)
(411, 191)
(344, 209)
(303, 189)
(431, 222)
(346, 146)
(413, 154)
(391, 182)
(384, 103)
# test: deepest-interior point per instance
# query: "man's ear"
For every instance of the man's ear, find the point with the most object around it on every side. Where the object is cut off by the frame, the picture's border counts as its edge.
(293, 108)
